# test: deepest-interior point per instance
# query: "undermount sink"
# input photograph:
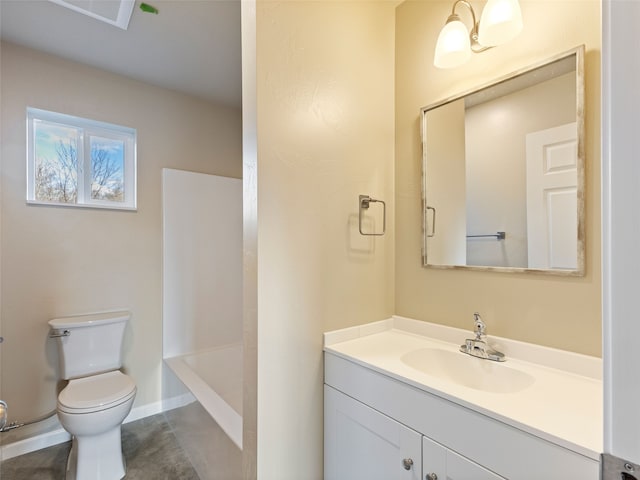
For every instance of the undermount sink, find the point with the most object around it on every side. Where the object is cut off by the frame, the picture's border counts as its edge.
(468, 371)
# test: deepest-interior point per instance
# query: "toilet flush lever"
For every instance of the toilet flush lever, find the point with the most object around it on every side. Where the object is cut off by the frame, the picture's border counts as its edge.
(59, 333)
(3, 415)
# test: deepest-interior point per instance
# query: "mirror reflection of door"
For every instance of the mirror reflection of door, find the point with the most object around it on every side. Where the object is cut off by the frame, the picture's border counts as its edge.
(496, 132)
(552, 197)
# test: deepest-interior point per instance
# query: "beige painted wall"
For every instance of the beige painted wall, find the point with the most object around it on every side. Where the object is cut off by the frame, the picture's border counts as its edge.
(547, 310)
(61, 261)
(325, 135)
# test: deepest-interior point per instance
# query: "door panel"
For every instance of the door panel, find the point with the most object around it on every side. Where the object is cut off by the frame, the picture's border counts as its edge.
(361, 443)
(552, 202)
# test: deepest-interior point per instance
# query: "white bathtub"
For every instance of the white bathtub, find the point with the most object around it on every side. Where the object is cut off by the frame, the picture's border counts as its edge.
(214, 377)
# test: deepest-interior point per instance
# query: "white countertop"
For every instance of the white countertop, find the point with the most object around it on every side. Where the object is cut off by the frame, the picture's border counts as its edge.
(563, 405)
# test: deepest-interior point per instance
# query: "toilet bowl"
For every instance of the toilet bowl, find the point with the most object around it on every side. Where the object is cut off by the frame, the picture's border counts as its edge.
(92, 410)
(98, 396)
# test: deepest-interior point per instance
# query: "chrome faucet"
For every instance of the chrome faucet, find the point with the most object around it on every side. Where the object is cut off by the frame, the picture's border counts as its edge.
(479, 326)
(478, 347)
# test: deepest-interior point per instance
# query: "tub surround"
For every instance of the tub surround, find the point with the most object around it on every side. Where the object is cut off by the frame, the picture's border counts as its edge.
(208, 423)
(213, 455)
(563, 405)
(202, 295)
(214, 378)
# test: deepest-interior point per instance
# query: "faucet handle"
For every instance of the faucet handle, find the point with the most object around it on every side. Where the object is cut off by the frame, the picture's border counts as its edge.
(479, 325)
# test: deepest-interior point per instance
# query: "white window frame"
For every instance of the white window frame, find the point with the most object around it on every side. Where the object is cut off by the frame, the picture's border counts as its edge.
(86, 129)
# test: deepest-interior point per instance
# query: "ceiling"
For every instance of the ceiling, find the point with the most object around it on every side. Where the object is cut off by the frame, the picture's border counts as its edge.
(192, 46)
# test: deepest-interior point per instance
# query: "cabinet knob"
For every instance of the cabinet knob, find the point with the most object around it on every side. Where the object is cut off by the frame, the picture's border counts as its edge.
(431, 476)
(407, 463)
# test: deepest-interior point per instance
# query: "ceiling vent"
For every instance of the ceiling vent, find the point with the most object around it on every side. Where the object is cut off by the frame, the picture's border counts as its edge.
(113, 12)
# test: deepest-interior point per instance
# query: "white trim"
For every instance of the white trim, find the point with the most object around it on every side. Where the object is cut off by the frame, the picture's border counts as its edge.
(178, 401)
(124, 12)
(143, 411)
(607, 348)
(34, 443)
(620, 225)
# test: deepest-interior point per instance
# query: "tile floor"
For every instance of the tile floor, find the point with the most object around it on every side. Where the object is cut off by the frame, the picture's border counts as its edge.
(151, 450)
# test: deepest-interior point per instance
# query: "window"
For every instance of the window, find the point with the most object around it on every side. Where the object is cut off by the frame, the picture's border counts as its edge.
(79, 162)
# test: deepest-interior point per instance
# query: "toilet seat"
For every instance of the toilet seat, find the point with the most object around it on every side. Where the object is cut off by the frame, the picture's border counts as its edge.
(96, 393)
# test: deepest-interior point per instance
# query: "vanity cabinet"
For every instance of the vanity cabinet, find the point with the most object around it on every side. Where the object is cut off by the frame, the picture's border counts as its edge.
(362, 443)
(373, 422)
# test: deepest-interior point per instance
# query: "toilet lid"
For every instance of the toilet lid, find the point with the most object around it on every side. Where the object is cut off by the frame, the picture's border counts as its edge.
(97, 392)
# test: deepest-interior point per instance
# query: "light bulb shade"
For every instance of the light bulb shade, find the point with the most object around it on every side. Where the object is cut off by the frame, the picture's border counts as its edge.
(454, 46)
(500, 22)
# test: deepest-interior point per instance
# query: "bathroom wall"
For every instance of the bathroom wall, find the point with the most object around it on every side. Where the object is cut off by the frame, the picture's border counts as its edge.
(325, 134)
(62, 261)
(548, 310)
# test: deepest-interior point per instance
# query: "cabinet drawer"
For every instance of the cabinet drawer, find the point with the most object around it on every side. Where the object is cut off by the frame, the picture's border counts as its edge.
(501, 448)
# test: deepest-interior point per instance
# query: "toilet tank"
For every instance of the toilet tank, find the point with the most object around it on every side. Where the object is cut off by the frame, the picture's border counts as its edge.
(89, 344)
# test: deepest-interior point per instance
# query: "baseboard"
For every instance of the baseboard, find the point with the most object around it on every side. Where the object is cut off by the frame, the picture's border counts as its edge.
(60, 435)
(143, 411)
(37, 442)
(177, 401)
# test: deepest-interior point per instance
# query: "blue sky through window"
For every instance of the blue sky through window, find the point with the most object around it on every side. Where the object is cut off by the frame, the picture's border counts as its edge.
(56, 160)
(115, 149)
(48, 135)
(107, 168)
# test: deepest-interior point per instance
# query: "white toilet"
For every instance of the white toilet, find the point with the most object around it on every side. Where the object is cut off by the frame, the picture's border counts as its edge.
(98, 396)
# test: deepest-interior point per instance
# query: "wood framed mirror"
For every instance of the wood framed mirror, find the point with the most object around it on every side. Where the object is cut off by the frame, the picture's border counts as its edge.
(503, 173)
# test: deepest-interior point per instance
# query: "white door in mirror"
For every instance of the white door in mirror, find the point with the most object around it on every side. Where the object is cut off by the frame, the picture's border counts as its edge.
(552, 201)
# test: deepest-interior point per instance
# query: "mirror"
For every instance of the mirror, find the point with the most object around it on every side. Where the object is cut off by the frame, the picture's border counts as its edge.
(503, 173)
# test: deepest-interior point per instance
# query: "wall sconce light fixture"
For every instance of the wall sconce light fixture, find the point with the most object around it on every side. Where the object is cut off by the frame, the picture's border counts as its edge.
(500, 22)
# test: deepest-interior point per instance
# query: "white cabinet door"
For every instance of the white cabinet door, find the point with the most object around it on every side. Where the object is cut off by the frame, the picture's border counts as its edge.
(360, 443)
(444, 464)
